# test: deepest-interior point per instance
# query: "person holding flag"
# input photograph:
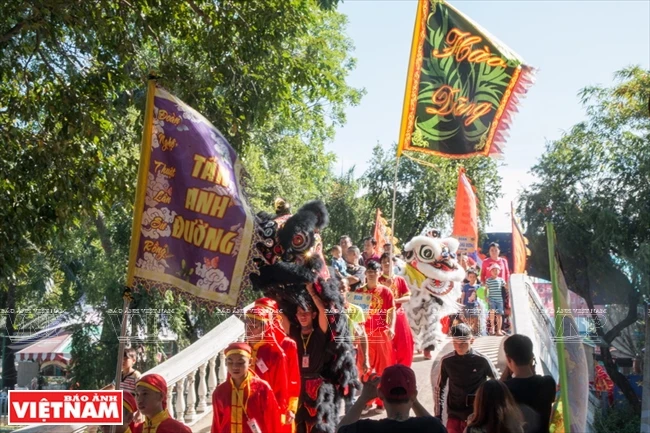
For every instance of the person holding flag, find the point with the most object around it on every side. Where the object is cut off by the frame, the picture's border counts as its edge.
(290, 349)
(244, 403)
(151, 397)
(268, 360)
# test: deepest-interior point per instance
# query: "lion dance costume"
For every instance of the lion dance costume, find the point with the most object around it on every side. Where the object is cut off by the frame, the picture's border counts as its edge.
(435, 278)
(290, 252)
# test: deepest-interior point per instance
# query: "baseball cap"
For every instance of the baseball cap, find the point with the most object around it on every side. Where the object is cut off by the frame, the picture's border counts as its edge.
(398, 382)
(494, 266)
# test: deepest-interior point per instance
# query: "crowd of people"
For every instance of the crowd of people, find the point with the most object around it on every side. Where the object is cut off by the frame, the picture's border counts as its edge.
(274, 376)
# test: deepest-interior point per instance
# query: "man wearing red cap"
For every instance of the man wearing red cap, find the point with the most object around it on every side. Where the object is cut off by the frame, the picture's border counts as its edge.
(268, 361)
(151, 397)
(290, 349)
(129, 407)
(244, 403)
(398, 391)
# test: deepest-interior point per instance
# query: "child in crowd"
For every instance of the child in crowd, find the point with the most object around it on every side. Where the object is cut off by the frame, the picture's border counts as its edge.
(469, 300)
(337, 260)
(495, 286)
(462, 372)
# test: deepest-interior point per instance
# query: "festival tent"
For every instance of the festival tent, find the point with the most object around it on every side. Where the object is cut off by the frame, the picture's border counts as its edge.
(56, 348)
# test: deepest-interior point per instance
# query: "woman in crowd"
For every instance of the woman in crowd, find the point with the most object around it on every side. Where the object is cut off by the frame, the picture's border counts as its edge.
(495, 410)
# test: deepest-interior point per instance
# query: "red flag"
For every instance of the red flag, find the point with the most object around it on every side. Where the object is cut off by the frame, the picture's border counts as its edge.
(520, 251)
(466, 215)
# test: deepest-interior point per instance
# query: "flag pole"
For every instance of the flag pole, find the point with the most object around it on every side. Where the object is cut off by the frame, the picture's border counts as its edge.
(392, 219)
(141, 190)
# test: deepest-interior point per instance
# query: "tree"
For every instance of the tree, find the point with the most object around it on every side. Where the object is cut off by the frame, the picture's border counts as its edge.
(593, 184)
(270, 74)
(349, 211)
(426, 195)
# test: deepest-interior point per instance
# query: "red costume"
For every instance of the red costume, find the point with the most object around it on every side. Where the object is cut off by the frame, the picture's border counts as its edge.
(250, 407)
(162, 422)
(403, 341)
(269, 363)
(290, 349)
(130, 406)
(380, 345)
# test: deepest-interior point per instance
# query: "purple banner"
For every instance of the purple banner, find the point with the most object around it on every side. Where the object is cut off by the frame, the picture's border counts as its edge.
(195, 226)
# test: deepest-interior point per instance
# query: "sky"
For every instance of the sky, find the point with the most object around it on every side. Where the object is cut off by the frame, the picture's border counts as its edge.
(572, 44)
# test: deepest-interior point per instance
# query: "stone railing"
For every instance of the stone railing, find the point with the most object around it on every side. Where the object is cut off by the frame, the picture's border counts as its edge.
(529, 317)
(202, 362)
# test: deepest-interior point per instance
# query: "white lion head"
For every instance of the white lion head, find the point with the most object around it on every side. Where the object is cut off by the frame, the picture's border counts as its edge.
(435, 260)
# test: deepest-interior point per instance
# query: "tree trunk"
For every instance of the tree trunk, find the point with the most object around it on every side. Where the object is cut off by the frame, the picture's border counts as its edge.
(102, 231)
(9, 373)
(606, 340)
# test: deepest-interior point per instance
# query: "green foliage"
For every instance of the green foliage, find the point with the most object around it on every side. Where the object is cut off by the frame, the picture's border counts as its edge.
(269, 73)
(426, 196)
(592, 180)
(619, 419)
(350, 213)
(593, 185)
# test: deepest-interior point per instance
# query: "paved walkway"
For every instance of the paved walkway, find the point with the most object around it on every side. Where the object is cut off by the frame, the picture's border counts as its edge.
(488, 346)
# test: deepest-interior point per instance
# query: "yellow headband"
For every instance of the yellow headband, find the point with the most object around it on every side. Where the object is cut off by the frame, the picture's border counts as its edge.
(147, 385)
(238, 352)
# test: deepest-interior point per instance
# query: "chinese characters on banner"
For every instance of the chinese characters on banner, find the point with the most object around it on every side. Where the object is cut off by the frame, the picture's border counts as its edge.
(462, 86)
(193, 227)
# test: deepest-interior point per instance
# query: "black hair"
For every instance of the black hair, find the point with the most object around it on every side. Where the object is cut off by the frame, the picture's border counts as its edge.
(384, 256)
(371, 239)
(372, 265)
(494, 244)
(460, 330)
(519, 348)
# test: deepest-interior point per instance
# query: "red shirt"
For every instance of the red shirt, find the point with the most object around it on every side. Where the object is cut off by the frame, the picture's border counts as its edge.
(270, 364)
(504, 273)
(233, 408)
(382, 302)
(398, 286)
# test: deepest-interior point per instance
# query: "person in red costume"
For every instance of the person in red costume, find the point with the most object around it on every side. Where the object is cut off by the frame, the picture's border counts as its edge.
(403, 341)
(290, 349)
(268, 360)
(380, 322)
(244, 403)
(151, 397)
(129, 407)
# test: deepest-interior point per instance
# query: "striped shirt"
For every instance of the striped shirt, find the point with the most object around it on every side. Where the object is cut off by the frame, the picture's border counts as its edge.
(494, 286)
(129, 381)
